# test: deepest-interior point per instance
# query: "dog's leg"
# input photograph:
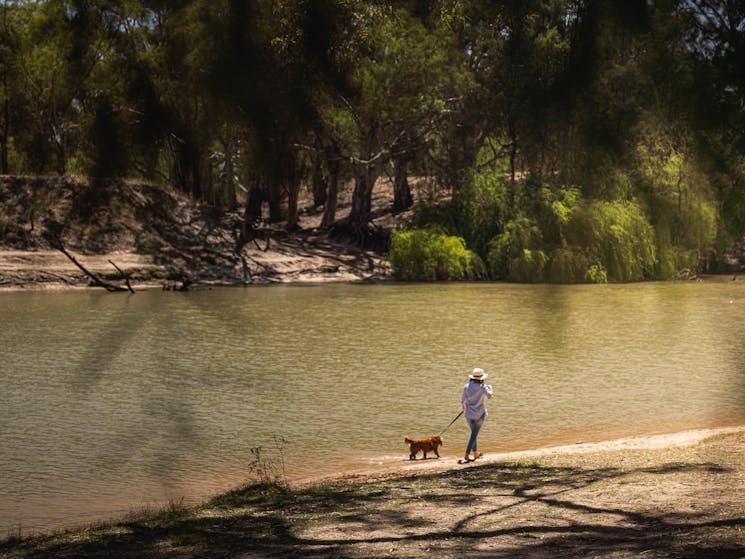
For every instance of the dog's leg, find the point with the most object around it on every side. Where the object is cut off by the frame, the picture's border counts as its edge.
(425, 455)
(437, 453)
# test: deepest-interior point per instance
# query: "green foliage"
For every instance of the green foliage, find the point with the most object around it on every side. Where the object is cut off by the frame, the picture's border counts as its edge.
(679, 197)
(671, 261)
(580, 143)
(528, 267)
(568, 265)
(515, 253)
(429, 255)
(618, 235)
(478, 210)
(597, 274)
(484, 205)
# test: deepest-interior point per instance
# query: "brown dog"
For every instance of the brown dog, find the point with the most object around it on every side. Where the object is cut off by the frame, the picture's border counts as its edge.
(429, 444)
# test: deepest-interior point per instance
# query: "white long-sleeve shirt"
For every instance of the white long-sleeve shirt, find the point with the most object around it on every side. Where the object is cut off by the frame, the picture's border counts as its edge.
(474, 398)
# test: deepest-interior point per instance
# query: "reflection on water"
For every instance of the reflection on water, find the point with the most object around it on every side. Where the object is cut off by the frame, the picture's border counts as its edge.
(110, 402)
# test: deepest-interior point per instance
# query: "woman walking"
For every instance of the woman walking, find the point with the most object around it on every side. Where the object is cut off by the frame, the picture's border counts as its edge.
(475, 395)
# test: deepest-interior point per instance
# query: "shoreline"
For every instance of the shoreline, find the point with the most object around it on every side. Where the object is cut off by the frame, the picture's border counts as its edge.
(288, 263)
(50, 271)
(675, 439)
(664, 495)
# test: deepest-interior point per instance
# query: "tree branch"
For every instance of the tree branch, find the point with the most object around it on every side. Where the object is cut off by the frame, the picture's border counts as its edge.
(125, 276)
(96, 281)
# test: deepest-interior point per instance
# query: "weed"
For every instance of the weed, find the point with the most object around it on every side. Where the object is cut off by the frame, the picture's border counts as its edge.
(268, 469)
(13, 535)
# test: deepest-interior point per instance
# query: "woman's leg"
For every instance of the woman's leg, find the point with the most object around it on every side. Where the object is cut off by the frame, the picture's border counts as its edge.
(475, 425)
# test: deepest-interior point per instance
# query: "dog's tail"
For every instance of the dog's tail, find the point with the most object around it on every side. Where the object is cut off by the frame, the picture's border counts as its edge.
(407, 440)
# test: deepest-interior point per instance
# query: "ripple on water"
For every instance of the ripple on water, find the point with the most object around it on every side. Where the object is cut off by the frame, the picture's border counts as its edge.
(115, 402)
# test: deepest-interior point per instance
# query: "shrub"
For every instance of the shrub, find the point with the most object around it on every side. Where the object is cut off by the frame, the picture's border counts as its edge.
(568, 265)
(672, 260)
(512, 251)
(596, 274)
(679, 198)
(617, 236)
(528, 267)
(429, 255)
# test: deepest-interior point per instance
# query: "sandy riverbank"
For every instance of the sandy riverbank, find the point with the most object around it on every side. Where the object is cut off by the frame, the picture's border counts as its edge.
(158, 237)
(449, 461)
(675, 495)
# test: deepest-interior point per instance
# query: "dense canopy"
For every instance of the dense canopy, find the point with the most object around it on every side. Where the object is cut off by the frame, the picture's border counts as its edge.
(577, 140)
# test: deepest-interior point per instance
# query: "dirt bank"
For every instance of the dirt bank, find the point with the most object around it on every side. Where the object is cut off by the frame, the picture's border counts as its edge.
(677, 495)
(159, 237)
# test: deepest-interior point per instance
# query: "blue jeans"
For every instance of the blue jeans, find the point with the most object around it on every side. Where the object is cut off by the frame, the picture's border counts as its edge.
(475, 425)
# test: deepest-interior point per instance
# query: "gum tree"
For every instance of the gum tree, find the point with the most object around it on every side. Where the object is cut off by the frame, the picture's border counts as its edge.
(402, 77)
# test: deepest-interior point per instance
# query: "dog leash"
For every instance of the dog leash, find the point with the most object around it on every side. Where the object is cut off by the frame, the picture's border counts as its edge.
(451, 423)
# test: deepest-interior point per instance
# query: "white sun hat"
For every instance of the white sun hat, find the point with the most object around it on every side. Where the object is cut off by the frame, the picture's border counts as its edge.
(478, 374)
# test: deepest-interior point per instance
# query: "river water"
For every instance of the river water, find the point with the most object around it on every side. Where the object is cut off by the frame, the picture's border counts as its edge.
(114, 402)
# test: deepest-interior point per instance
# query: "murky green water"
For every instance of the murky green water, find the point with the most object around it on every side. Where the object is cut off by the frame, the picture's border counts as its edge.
(111, 402)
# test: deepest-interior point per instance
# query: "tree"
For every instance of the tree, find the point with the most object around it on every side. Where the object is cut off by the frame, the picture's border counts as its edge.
(9, 69)
(519, 53)
(401, 78)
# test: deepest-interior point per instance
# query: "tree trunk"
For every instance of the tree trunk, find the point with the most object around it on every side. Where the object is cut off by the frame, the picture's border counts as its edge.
(274, 197)
(230, 175)
(402, 199)
(361, 195)
(252, 212)
(6, 103)
(6, 125)
(513, 152)
(293, 191)
(61, 156)
(332, 191)
(185, 169)
(319, 182)
(196, 176)
(365, 175)
(254, 200)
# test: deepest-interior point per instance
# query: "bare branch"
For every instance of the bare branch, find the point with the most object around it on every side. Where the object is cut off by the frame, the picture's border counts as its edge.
(125, 276)
(96, 281)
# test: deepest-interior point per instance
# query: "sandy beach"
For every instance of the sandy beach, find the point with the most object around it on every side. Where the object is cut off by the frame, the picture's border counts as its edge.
(671, 495)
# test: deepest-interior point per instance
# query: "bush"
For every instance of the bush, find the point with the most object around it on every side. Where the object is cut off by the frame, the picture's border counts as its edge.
(430, 255)
(672, 260)
(479, 205)
(568, 265)
(617, 236)
(679, 198)
(528, 267)
(512, 251)
(596, 274)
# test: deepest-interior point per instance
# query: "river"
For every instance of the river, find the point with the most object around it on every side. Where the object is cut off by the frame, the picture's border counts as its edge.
(114, 402)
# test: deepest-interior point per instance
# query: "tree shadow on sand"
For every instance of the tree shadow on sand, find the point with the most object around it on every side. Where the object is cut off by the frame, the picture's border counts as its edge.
(494, 510)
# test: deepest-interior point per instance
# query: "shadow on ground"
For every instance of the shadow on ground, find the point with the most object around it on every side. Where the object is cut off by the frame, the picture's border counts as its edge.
(496, 510)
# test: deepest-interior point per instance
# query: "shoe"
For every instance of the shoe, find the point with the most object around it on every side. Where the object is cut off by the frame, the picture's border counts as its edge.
(477, 455)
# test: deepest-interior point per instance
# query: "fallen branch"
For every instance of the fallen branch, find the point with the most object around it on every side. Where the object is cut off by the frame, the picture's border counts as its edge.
(96, 281)
(125, 276)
